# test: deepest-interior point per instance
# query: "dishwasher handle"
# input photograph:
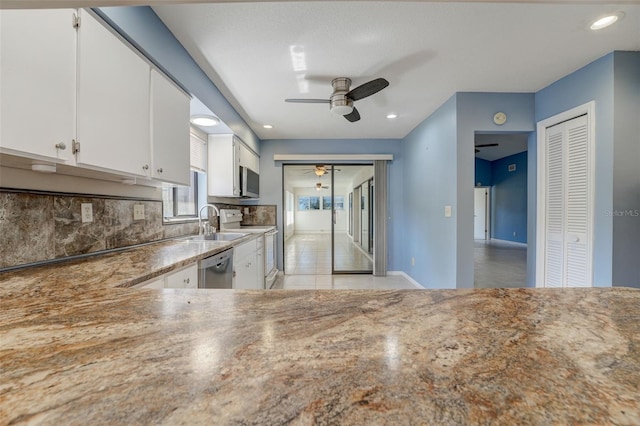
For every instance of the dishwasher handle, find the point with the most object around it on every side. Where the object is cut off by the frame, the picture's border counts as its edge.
(217, 260)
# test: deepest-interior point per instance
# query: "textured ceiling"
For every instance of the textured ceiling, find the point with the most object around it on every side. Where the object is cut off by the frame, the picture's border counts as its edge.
(258, 54)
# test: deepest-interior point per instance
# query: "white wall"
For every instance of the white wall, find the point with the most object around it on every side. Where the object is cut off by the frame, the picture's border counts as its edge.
(318, 221)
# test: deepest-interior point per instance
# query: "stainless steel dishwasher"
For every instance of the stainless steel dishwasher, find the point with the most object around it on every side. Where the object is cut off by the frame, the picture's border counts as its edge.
(216, 271)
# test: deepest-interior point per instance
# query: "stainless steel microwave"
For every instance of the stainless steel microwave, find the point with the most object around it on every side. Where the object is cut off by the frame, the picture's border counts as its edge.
(249, 183)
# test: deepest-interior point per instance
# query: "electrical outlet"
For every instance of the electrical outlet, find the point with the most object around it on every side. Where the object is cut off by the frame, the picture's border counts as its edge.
(514, 233)
(413, 261)
(138, 212)
(447, 211)
(86, 212)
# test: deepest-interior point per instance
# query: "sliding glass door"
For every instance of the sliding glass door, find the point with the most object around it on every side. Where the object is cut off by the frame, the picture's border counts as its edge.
(352, 218)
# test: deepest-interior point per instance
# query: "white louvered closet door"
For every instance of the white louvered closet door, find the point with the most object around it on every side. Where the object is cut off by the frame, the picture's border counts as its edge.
(568, 245)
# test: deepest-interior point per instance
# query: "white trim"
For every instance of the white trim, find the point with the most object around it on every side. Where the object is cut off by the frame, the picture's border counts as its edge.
(332, 157)
(415, 283)
(515, 243)
(589, 109)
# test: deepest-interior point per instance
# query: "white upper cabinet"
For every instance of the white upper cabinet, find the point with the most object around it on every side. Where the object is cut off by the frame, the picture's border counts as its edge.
(169, 131)
(37, 83)
(249, 159)
(223, 172)
(113, 102)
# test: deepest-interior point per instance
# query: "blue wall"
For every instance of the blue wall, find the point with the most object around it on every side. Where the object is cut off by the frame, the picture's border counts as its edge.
(271, 181)
(430, 166)
(509, 199)
(483, 172)
(142, 27)
(594, 82)
(626, 173)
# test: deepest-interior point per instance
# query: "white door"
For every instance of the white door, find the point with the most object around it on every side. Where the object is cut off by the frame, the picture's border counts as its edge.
(567, 204)
(169, 131)
(481, 214)
(113, 102)
(37, 77)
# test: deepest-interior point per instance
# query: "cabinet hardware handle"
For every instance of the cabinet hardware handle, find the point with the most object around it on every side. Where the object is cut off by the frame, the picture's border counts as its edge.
(145, 167)
(187, 281)
(160, 170)
(61, 146)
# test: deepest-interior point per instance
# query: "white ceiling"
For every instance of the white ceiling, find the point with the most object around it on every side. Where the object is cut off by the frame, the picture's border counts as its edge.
(426, 50)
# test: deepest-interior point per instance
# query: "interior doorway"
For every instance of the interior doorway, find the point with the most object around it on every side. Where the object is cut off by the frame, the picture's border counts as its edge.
(328, 218)
(500, 210)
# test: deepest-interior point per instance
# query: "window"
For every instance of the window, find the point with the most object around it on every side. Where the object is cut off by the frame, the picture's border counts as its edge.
(181, 202)
(326, 203)
(308, 203)
(339, 202)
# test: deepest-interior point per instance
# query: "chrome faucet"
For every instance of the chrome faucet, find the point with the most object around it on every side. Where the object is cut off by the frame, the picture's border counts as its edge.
(202, 230)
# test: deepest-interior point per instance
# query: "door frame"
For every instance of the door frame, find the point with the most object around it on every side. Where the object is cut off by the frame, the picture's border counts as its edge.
(541, 225)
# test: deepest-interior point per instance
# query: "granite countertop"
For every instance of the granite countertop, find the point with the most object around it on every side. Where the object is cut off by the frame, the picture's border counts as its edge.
(121, 268)
(82, 351)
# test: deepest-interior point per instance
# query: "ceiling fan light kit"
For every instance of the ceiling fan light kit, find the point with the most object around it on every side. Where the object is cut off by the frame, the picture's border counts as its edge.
(342, 99)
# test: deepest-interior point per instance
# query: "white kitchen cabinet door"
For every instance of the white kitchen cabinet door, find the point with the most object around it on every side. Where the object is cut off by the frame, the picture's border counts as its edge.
(245, 271)
(184, 278)
(152, 283)
(169, 131)
(223, 172)
(249, 159)
(260, 268)
(113, 102)
(245, 266)
(38, 83)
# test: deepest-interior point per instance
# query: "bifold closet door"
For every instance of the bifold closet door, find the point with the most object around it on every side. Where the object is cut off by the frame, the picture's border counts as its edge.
(567, 205)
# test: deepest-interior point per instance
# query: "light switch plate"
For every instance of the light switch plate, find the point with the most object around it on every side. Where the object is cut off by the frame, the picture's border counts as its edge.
(246, 210)
(86, 212)
(138, 212)
(447, 211)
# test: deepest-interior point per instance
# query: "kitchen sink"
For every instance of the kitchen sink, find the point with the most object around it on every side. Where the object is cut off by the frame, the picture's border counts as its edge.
(218, 236)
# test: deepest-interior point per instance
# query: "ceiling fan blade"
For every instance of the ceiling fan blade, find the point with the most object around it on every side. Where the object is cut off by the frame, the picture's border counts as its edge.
(367, 89)
(353, 116)
(308, 101)
(486, 144)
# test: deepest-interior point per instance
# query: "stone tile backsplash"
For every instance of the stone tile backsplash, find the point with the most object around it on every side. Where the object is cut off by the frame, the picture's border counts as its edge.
(36, 227)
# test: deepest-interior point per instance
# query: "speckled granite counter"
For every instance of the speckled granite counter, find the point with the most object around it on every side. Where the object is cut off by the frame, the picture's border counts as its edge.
(117, 269)
(85, 352)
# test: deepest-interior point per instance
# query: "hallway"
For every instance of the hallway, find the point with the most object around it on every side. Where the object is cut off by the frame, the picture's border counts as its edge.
(310, 254)
(499, 264)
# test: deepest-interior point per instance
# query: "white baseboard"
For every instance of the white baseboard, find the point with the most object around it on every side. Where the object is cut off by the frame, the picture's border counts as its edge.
(415, 283)
(515, 243)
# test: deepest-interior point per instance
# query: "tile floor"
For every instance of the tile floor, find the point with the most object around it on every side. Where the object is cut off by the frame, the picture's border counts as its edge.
(343, 282)
(499, 264)
(310, 254)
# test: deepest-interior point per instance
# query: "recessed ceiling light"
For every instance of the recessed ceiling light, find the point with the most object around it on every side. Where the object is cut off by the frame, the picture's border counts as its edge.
(392, 116)
(606, 21)
(205, 120)
(267, 126)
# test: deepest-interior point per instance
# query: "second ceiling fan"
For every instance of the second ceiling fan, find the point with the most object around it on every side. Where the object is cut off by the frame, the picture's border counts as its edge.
(342, 98)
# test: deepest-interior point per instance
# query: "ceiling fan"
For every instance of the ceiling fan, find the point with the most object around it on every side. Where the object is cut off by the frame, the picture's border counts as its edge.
(320, 186)
(321, 169)
(342, 99)
(485, 146)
